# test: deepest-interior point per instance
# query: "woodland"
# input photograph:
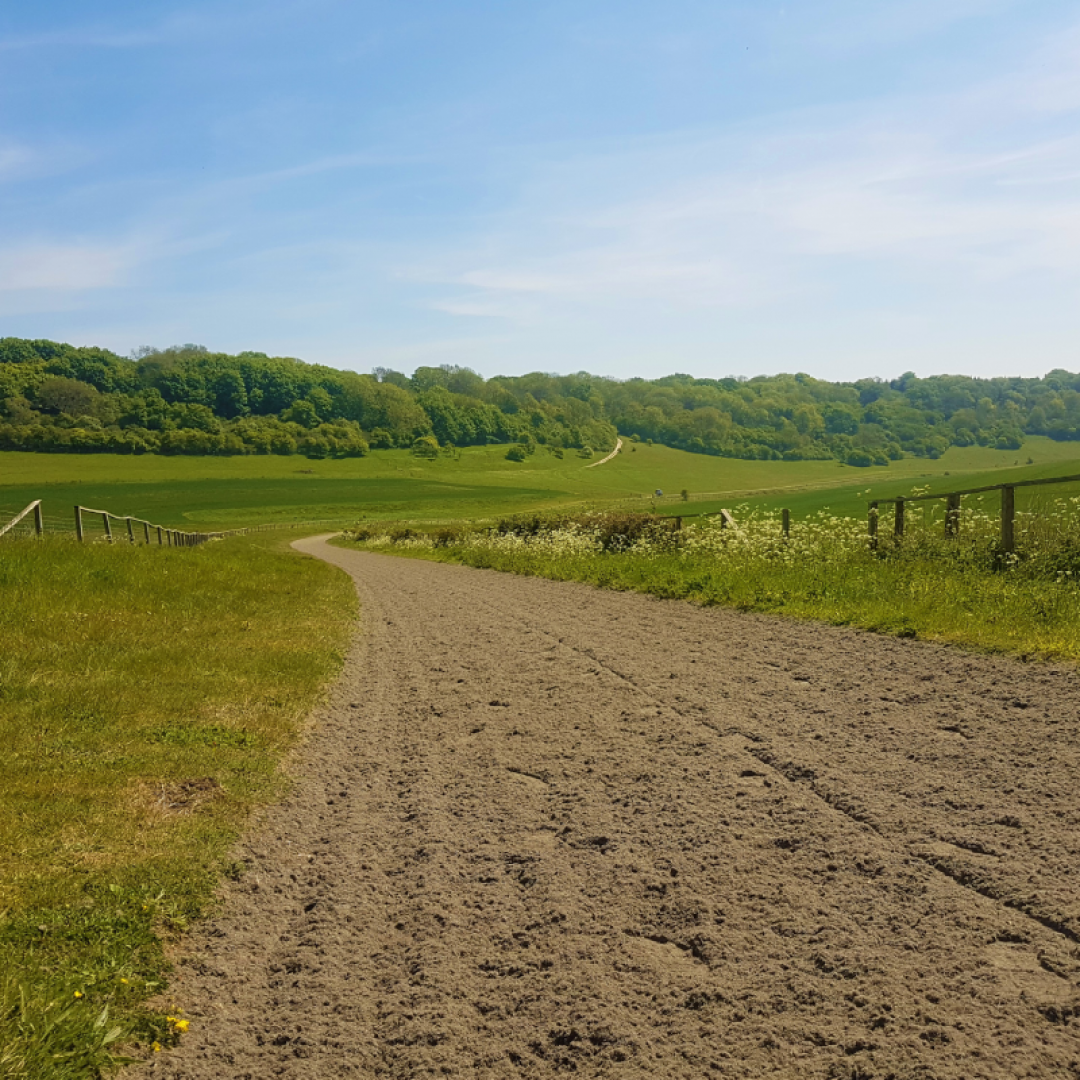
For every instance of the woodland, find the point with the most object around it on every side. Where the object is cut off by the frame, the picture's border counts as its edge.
(186, 399)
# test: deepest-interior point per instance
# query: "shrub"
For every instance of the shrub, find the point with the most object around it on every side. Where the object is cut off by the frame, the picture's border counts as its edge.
(426, 446)
(446, 537)
(859, 458)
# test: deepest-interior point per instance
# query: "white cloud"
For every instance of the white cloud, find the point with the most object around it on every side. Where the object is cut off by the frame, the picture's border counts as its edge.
(64, 267)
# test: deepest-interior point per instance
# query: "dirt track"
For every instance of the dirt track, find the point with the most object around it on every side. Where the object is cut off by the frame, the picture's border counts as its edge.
(543, 829)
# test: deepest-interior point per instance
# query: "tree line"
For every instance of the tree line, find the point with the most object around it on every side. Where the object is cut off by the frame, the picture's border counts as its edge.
(188, 400)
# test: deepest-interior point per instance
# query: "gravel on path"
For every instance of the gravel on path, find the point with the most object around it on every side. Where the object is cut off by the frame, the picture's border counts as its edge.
(542, 829)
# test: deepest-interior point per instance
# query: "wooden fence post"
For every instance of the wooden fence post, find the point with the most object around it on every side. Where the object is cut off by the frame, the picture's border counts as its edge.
(159, 538)
(146, 531)
(871, 524)
(1008, 519)
(952, 515)
(39, 521)
(785, 522)
(108, 527)
(131, 531)
(78, 523)
(898, 519)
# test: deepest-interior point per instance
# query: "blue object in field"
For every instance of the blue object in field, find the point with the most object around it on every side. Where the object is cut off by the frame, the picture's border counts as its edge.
(658, 492)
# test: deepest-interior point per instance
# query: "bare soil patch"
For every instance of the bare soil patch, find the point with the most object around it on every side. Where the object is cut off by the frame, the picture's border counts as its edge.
(543, 829)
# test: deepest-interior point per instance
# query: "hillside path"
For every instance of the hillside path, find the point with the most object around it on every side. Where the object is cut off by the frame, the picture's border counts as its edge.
(618, 447)
(541, 828)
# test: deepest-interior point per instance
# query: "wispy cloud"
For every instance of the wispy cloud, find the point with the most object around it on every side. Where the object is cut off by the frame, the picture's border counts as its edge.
(179, 26)
(182, 24)
(885, 24)
(66, 267)
(15, 161)
(83, 38)
(487, 310)
(930, 188)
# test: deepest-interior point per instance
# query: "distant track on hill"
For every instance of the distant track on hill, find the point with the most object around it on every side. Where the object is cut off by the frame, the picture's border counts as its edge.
(542, 828)
(618, 447)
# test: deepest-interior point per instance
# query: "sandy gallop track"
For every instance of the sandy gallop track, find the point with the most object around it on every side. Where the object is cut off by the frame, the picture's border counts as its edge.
(544, 829)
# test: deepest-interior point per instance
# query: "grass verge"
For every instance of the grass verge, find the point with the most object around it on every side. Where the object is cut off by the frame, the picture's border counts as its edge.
(148, 697)
(959, 590)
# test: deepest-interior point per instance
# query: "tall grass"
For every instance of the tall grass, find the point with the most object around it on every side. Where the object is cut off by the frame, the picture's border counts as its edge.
(147, 698)
(961, 589)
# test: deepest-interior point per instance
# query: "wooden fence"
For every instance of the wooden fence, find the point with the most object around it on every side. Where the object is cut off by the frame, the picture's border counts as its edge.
(952, 509)
(39, 523)
(165, 536)
(139, 530)
(726, 520)
(899, 504)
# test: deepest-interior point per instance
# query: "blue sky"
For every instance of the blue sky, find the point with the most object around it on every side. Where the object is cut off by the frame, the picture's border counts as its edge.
(629, 188)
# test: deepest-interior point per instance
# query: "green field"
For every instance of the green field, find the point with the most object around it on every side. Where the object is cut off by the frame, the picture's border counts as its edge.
(849, 490)
(478, 483)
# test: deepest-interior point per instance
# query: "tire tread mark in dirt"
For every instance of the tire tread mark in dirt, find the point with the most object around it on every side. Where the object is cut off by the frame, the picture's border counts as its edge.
(800, 775)
(856, 809)
(796, 774)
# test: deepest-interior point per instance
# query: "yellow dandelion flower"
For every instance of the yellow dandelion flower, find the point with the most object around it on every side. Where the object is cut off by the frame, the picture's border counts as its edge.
(181, 1025)
(156, 1047)
(78, 993)
(124, 981)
